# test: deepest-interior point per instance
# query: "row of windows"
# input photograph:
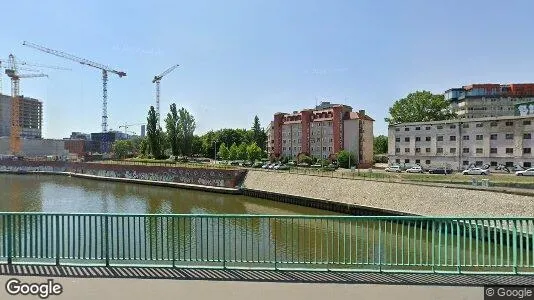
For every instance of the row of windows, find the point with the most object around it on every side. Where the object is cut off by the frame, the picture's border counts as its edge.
(478, 137)
(526, 164)
(464, 150)
(466, 125)
(311, 148)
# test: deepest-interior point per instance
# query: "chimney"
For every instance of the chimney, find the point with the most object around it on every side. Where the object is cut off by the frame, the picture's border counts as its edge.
(361, 113)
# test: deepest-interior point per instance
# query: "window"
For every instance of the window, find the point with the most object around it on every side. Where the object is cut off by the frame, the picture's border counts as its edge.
(439, 150)
(397, 139)
(453, 126)
(406, 161)
(526, 122)
(465, 125)
(493, 124)
(330, 149)
(509, 150)
(427, 150)
(526, 151)
(284, 148)
(509, 136)
(493, 136)
(397, 150)
(417, 138)
(427, 128)
(465, 163)
(478, 163)
(417, 150)
(284, 141)
(427, 161)
(452, 150)
(417, 161)
(493, 150)
(439, 127)
(440, 138)
(406, 129)
(493, 163)
(479, 151)
(527, 164)
(452, 138)
(479, 137)
(509, 123)
(527, 136)
(465, 138)
(428, 139)
(479, 125)
(406, 150)
(406, 139)
(465, 150)
(397, 161)
(397, 129)
(509, 163)
(418, 128)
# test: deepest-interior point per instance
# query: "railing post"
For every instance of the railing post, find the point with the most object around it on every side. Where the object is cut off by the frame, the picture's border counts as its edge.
(224, 242)
(9, 240)
(458, 235)
(106, 229)
(274, 240)
(515, 247)
(57, 240)
(380, 246)
(433, 246)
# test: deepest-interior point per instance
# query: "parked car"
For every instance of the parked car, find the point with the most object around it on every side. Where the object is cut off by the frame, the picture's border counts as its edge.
(476, 171)
(271, 166)
(415, 169)
(440, 170)
(527, 172)
(281, 167)
(257, 165)
(395, 168)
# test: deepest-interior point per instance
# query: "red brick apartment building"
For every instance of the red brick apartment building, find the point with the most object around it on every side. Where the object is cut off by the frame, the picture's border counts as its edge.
(322, 132)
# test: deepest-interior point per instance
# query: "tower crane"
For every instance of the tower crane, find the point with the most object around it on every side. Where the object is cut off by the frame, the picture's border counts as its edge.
(11, 72)
(1, 72)
(157, 80)
(105, 70)
(125, 126)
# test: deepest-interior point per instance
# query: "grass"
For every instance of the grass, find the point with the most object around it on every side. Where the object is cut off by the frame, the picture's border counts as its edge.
(166, 163)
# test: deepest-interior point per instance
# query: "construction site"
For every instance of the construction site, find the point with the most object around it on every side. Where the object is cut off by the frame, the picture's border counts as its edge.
(21, 117)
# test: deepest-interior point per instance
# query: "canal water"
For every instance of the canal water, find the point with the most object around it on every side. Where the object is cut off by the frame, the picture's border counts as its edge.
(207, 239)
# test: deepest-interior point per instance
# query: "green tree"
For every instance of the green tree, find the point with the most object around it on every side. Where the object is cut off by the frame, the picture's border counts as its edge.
(197, 145)
(186, 130)
(154, 135)
(233, 152)
(421, 106)
(254, 152)
(123, 148)
(380, 144)
(224, 153)
(173, 130)
(343, 159)
(242, 151)
(144, 148)
(258, 134)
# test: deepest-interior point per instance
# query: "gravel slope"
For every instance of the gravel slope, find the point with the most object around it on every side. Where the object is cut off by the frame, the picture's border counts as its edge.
(415, 199)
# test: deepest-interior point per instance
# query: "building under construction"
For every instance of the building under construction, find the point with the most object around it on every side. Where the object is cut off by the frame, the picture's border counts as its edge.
(31, 116)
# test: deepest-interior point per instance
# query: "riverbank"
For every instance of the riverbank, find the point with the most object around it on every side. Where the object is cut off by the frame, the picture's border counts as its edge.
(427, 200)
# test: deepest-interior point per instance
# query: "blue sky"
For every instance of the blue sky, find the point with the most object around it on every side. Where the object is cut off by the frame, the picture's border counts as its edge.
(240, 58)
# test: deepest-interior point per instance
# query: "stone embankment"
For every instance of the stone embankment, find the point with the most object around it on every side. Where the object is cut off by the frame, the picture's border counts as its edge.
(405, 198)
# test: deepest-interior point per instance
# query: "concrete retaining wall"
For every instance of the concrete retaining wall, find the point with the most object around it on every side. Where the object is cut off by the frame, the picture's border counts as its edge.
(197, 176)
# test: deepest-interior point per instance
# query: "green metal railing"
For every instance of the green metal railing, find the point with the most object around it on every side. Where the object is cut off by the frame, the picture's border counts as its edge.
(350, 243)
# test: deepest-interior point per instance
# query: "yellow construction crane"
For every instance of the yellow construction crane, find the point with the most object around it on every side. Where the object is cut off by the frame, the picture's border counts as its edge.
(156, 80)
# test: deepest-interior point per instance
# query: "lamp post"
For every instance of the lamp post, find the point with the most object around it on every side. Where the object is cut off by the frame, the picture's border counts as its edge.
(215, 151)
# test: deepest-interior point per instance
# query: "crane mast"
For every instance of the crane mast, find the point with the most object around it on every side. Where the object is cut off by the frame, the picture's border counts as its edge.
(157, 80)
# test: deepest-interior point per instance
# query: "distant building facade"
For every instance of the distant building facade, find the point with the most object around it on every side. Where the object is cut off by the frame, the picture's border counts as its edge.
(460, 143)
(322, 132)
(488, 100)
(31, 116)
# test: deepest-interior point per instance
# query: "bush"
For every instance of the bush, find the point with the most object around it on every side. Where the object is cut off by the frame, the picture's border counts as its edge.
(343, 159)
(380, 159)
(305, 159)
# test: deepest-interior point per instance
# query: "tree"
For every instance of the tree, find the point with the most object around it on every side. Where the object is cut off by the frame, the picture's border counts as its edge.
(258, 134)
(122, 148)
(224, 153)
(380, 144)
(242, 151)
(154, 134)
(173, 130)
(254, 152)
(343, 159)
(233, 152)
(186, 130)
(197, 145)
(144, 148)
(421, 106)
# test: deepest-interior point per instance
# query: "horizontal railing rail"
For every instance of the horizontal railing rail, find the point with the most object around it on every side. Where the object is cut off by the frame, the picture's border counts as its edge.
(349, 243)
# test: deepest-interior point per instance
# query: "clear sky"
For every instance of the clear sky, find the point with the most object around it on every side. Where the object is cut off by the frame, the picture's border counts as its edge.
(240, 58)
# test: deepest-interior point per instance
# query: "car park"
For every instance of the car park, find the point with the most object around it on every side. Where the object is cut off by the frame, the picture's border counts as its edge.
(395, 168)
(415, 169)
(527, 172)
(476, 171)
